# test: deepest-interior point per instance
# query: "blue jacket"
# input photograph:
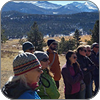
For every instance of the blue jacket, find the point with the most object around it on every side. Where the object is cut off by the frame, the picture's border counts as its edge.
(29, 95)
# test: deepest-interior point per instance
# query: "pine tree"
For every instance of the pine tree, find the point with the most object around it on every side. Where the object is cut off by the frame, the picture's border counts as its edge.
(95, 32)
(62, 46)
(3, 37)
(77, 38)
(36, 37)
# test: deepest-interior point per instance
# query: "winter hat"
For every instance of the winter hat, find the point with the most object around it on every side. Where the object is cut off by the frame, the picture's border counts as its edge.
(25, 62)
(94, 44)
(27, 45)
(50, 41)
(40, 55)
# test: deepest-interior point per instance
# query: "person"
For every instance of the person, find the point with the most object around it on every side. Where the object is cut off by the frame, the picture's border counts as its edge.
(28, 47)
(88, 54)
(27, 70)
(47, 86)
(88, 50)
(54, 60)
(95, 59)
(72, 75)
(87, 67)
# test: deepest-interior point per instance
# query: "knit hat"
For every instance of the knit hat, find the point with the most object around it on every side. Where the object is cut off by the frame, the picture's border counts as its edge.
(25, 62)
(40, 55)
(27, 45)
(94, 44)
(50, 41)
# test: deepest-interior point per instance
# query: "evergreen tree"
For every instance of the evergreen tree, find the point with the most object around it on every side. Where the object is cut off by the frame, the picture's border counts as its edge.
(62, 46)
(36, 37)
(3, 37)
(77, 38)
(95, 32)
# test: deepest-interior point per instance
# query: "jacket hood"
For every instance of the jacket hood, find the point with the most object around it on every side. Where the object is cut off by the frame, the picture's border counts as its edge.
(14, 89)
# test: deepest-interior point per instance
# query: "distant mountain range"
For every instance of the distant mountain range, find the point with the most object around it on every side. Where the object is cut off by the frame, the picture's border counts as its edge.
(44, 7)
(18, 24)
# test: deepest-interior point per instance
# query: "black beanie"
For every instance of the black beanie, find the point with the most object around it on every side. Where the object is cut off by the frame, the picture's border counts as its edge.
(50, 41)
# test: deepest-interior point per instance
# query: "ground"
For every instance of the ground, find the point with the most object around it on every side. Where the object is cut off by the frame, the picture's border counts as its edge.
(11, 48)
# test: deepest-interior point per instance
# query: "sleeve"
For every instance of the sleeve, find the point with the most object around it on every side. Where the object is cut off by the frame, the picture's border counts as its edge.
(68, 78)
(95, 59)
(91, 65)
(29, 95)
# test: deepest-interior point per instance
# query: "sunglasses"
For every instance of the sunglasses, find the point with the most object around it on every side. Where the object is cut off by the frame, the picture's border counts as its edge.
(31, 49)
(54, 43)
(84, 50)
(45, 59)
(89, 50)
(74, 57)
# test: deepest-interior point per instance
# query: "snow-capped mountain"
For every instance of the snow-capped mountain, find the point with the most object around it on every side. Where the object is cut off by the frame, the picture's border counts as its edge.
(45, 7)
(42, 4)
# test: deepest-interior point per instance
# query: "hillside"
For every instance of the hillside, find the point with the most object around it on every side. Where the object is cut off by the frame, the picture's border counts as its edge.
(18, 24)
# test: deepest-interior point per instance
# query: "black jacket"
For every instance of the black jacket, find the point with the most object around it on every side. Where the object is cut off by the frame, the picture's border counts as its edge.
(85, 62)
(95, 59)
(13, 90)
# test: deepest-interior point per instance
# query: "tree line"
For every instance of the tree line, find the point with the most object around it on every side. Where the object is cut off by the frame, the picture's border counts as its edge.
(36, 37)
(17, 24)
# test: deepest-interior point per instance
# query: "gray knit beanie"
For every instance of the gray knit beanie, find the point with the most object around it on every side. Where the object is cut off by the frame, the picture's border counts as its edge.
(25, 62)
(40, 55)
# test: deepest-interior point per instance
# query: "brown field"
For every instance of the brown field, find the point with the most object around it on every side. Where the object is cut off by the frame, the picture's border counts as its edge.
(83, 38)
(8, 53)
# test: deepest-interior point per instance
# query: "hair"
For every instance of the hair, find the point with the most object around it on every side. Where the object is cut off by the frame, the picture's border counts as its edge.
(49, 72)
(68, 55)
(20, 78)
(81, 47)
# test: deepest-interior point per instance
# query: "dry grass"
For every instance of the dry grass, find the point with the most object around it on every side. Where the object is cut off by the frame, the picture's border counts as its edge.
(7, 60)
(7, 71)
(83, 38)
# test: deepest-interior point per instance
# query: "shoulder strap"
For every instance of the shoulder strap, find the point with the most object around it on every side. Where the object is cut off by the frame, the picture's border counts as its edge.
(47, 53)
(52, 60)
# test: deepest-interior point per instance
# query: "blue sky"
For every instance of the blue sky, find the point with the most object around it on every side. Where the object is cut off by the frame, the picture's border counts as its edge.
(65, 2)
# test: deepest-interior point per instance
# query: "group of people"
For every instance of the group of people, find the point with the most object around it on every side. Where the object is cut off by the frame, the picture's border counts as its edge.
(80, 71)
(37, 73)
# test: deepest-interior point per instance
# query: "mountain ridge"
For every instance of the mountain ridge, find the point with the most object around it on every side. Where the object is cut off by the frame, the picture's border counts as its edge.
(19, 24)
(44, 7)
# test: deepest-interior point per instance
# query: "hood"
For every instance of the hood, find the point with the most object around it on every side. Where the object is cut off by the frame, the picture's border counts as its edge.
(13, 89)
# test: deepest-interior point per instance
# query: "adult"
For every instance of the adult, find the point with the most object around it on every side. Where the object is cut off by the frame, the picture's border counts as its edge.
(47, 86)
(27, 70)
(54, 60)
(28, 47)
(88, 54)
(72, 75)
(88, 50)
(87, 67)
(95, 59)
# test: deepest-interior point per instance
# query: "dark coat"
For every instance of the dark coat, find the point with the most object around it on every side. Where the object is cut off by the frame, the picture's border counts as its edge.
(69, 80)
(85, 62)
(13, 90)
(95, 59)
